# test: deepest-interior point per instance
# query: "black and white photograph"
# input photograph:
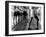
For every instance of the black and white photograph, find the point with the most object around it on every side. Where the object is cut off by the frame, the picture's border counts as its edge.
(24, 18)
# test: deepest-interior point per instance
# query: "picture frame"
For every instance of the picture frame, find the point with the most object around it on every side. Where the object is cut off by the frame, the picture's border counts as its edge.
(29, 5)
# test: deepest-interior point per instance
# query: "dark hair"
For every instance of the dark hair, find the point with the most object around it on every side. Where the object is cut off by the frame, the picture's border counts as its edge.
(34, 7)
